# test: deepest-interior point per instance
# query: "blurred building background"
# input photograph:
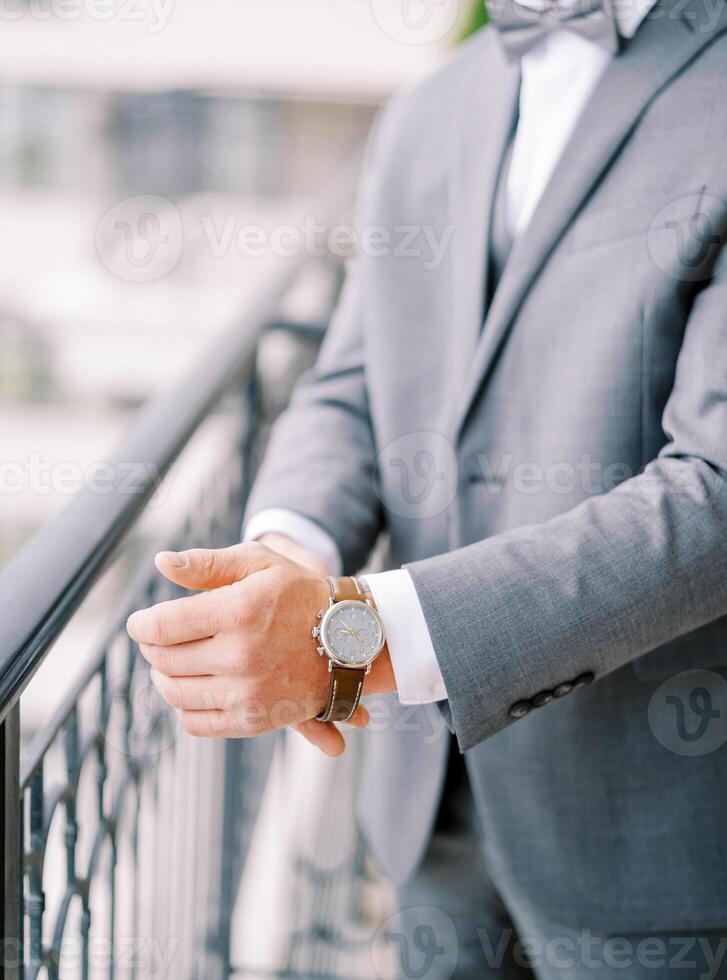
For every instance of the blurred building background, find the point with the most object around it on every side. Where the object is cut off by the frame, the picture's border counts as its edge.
(238, 108)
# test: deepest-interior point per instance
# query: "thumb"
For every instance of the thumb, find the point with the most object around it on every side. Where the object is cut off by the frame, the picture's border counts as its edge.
(211, 568)
(326, 736)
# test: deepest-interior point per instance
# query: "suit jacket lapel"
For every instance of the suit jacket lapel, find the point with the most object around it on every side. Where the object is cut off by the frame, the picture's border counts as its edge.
(483, 121)
(663, 46)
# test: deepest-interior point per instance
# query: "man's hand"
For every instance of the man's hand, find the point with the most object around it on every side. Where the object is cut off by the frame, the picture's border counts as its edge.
(238, 660)
(288, 548)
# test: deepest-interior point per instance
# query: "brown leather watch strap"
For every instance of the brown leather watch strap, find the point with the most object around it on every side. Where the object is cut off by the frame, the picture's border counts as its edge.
(345, 587)
(347, 683)
(344, 693)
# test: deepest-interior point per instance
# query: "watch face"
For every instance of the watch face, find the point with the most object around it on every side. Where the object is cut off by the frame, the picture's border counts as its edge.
(352, 632)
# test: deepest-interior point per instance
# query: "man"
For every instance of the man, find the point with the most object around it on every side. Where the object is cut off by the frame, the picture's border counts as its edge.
(539, 423)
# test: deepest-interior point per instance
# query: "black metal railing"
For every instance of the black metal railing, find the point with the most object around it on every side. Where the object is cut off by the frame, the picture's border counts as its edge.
(142, 831)
(109, 771)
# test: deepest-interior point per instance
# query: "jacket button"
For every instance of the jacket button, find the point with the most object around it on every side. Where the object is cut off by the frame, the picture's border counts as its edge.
(587, 678)
(562, 689)
(520, 709)
(543, 698)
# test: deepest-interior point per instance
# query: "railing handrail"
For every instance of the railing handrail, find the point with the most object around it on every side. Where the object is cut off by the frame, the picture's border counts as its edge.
(45, 582)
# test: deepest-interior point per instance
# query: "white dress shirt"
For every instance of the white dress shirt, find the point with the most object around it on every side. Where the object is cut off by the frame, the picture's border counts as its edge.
(558, 76)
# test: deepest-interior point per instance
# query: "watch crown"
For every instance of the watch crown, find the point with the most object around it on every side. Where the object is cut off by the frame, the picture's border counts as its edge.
(321, 651)
(315, 632)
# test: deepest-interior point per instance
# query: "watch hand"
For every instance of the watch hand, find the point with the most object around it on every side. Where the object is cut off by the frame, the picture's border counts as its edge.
(345, 630)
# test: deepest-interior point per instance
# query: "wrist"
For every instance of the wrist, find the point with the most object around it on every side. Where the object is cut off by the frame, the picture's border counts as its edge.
(289, 548)
(381, 678)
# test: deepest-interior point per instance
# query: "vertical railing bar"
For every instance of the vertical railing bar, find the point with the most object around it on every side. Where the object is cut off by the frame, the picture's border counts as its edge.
(184, 785)
(71, 749)
(152, 893)
(104, 715)
(134, 765)
(70, 742)
(85, 936)
(250, 405)
(195, 786)
(36, 898)
(112, 908)
(164, 836)
(208, 783)
(230, 816)
(156, 789)
(11, 965)
(159, 885)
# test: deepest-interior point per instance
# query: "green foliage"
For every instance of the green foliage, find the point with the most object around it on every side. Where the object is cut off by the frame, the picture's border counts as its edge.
(475, 19)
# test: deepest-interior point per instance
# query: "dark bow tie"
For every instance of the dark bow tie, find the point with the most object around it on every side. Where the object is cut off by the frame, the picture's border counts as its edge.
(522, 25)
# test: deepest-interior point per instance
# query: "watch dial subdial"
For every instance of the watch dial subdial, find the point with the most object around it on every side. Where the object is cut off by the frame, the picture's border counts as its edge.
(352, 633)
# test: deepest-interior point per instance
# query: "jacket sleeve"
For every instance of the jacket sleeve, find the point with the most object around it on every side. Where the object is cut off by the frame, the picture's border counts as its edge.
(617, 576)
(321, 460)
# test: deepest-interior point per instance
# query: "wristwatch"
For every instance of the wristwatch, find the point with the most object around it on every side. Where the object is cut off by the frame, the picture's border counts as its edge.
(351, 634)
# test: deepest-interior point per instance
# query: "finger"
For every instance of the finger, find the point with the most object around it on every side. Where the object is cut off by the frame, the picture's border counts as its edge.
(360, 718)
(208, 568)
(324, 735)
(200, 658)
(205, 724)
(194, 617)
(197, 693)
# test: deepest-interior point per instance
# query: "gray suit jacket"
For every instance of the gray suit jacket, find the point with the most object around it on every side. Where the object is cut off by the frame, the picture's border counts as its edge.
(555, 481)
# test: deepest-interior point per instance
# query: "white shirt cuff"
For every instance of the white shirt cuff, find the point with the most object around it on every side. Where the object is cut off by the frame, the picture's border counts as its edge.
(418, 677)
(306, 533)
